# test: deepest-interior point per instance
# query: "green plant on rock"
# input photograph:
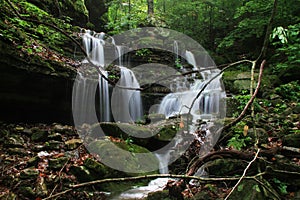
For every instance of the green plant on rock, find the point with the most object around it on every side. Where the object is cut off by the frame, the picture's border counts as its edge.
(240, 138)
(289, 91)
(238, 141)
(143, 52)
(281, 186)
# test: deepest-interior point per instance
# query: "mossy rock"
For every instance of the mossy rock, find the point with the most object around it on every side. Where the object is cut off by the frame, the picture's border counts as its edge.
(101, 170)
(39, 135)
(82, 173)
(162, 195)
(247, 190)
(167, 133)
(138, 134)
(291, 140)
(128, 158)
(219, 167)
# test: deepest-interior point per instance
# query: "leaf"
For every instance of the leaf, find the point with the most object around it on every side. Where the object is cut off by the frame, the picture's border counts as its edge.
(245, 132)
(240, 187)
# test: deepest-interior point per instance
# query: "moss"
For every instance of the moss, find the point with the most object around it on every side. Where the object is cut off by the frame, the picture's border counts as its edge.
(167, 133)
(130, 158)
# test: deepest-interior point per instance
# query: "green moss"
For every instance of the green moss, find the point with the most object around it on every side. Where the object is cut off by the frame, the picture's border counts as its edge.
(130, 158)
(167, 133)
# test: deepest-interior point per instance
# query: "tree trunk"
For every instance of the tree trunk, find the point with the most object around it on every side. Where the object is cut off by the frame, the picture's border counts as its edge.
(150, 8)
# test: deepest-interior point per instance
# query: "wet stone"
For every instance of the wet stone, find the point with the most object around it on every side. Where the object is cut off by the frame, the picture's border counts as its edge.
(29, 173)
(14, 141)
(33, 161)
(54, 145)
(57, 163)
(55, 136)
(16, 151)
(73, 144)
(39, 136)
(27, 191)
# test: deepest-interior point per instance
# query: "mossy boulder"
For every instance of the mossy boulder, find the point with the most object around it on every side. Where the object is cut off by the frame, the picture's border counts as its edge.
(291, 140)
(138, 134)
(247, 190)
(128, 158)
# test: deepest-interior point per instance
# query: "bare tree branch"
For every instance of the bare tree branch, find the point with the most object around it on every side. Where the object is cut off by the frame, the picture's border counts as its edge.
(243, 175)
(240, 117)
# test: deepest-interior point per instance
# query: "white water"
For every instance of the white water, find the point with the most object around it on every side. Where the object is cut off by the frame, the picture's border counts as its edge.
(83, 92)
(104, 98)
(191, 59)
(206, 105)
(94, 47)
(127, 103)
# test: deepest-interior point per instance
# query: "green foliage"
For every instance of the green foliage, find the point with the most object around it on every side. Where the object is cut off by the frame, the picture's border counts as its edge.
(281, 186)
(287, 42)
(29, 36)
(238, 141)
(290, 91)
(143, 52)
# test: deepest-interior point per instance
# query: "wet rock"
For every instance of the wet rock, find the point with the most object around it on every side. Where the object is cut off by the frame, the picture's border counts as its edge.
(220, 167)
(248, 189)
(73, 144)
(125, 157)
(82, 173)
(291, 140)
(166, 133)
(39, 135)
(33, 161)
(65, 130)
(38, 147)
(14, 141)
(17, 151)
(56, 137)
(54, 145)
(8, 196)
(27, 191)
(41, 188)
(164, 194)
(156, 117)
(139, 134)
(29, 173)
(100, 169)
(57, 163)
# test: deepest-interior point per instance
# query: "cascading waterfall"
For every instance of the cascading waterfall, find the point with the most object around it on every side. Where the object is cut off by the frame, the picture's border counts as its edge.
(83, 92)
(84, 89)
(104, 98)
(208, 103)
(191, 59)
(127, 103)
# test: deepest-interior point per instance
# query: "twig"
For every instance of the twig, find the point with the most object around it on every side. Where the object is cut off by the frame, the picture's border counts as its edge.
(150, 177)
(267, 188)
(240, 117)
(58, 194)
(243, 175)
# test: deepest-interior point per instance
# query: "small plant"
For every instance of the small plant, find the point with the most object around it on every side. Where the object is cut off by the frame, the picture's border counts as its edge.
(281, 186)
(289, 91)
(178, 63)
(143, 52)
(237, 142)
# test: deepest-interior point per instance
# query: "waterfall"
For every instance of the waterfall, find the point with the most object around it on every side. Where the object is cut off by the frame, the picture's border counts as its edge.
(126, 103)
(104, 98)
(191, 59)
(176, 50)
(93, 46)
(85, 85)
(207, 105)
(83, 94)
